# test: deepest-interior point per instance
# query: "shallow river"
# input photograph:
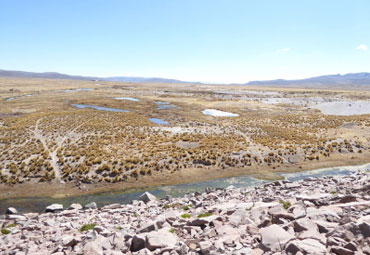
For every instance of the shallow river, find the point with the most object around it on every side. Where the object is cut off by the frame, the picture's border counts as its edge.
(38, 204)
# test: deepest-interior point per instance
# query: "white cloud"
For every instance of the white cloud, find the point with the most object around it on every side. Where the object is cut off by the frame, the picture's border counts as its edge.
(362, 47)
(282, 50)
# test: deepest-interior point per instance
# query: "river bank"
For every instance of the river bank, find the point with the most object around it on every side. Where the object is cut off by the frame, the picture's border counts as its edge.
(54, 189)
(328, 215)
(38, 204)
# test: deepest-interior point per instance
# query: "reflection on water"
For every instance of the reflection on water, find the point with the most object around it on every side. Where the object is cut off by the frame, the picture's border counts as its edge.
(159, 121)
(100, 108)
(74, 90)
(165, 105)
(128, 98)
(39, 204)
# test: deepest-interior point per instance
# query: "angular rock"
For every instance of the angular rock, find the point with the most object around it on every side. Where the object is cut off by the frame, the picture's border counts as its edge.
(112, 206)
(70, 240)
(91, 205)
(103, 242)
(341, 251)
(205, 247)
(351, 246)
(279, 213)
(147, 197)
(74, 206)
(325, 226)
(347, 199)
(11, 210)
(365, 229)
(54, 208)
(304, 225)
(307, 246)
(228, 233)
(138, 242)
(16, 217)
(203, 221)
(149, 226)
(275, 237)
(238, 217)
(162, 238)
(144, 252)
(92, 248)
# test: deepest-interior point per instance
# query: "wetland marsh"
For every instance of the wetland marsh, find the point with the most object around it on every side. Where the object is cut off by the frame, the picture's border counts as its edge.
(117, 136)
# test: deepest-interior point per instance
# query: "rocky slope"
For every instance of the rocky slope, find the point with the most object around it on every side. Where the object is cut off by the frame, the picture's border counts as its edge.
(314, 216)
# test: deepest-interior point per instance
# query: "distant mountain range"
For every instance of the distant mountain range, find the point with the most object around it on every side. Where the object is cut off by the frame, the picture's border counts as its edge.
(48, 75)
(325, 80)
(142, 79)
(54, 75)
(337, 79)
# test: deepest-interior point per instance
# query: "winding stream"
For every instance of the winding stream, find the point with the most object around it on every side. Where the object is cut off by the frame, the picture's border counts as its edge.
(38, 204)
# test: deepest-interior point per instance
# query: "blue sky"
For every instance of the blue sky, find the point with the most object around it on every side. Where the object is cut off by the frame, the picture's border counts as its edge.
(196, 40)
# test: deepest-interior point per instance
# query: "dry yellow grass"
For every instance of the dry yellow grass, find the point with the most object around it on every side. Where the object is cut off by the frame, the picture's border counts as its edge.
(43, 138)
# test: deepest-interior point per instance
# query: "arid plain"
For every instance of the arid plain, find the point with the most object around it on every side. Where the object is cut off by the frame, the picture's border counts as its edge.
(68, 137)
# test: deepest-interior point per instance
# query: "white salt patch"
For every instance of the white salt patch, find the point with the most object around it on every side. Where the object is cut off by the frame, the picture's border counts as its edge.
(218, 113)
(344, 108)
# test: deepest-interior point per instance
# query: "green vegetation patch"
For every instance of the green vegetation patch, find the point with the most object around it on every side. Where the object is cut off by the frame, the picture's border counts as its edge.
(87, 227)
(186, 216)
(186, 207)
(5, 231)
(286, 204)
(203, 215)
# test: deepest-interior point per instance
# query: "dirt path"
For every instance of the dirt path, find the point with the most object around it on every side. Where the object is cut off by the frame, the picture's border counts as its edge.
(53, 153)
(54, 159)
